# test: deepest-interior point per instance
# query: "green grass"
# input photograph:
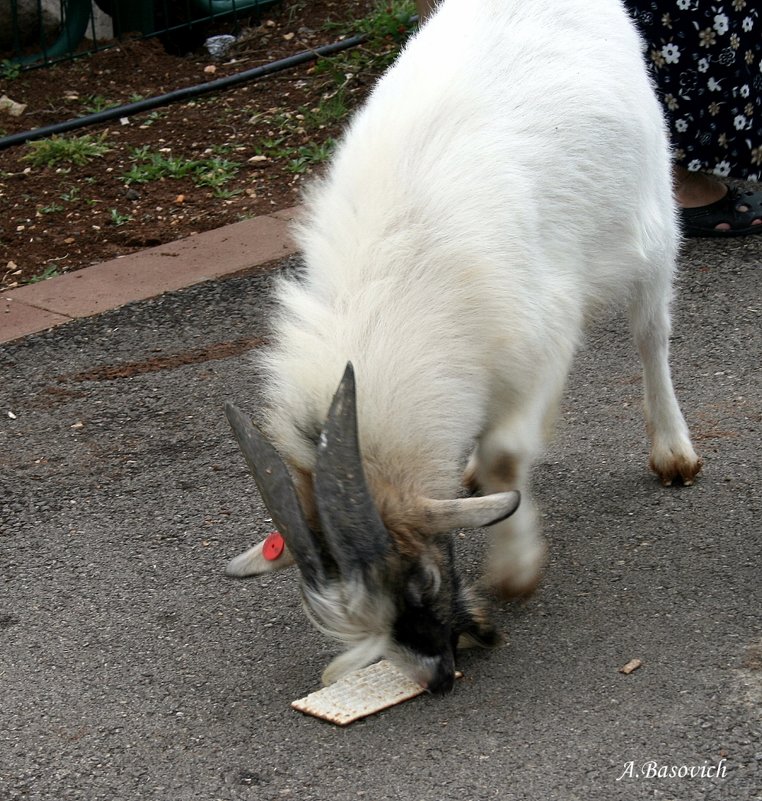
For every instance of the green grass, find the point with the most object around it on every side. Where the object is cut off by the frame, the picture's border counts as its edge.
(71, 194)
(152, 117)
(48, 272)
(96, 103)
(213, 173)
(9, 70)
(387, 27)
(117, 218)
(332, 109)
(51, 209)
(308, 156)
(389, 21)
(155, 166)
(57, 150)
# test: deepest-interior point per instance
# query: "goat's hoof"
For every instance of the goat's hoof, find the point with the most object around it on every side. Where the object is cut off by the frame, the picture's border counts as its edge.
(509, 590)
(518, 578)
(675, 468)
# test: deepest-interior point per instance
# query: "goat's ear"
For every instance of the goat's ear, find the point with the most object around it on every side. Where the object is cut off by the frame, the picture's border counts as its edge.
(438, 516)
(279, 495)
(354, 531)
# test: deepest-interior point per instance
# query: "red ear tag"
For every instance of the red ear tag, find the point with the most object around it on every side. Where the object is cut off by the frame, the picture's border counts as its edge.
(273, 546)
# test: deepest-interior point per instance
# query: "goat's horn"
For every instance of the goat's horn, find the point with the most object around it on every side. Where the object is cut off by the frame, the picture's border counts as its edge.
(439, 516)
(279, 495)
(353, 528)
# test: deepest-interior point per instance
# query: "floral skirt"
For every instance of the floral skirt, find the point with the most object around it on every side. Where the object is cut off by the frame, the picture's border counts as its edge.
(706, 60)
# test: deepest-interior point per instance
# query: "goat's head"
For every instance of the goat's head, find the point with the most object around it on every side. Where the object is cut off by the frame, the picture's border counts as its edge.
(380, 592)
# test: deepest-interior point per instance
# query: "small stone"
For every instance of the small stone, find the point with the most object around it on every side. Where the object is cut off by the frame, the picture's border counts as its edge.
(11, 106)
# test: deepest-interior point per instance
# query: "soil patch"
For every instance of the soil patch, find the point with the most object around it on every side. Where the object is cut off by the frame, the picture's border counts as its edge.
(217, 351)
(188, 167)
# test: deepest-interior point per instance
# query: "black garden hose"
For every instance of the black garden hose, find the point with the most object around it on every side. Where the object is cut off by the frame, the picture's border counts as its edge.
(187, 93)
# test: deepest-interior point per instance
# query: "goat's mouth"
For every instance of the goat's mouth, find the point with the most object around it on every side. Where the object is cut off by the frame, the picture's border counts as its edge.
(436, 674)
(441, 683)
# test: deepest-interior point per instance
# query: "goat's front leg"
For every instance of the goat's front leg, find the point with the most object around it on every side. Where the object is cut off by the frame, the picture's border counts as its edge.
(672, 454)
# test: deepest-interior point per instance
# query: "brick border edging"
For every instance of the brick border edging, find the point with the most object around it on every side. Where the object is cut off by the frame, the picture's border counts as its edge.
(225, 251)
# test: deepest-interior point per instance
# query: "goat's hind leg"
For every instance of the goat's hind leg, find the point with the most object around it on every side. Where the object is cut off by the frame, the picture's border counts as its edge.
(672, 455)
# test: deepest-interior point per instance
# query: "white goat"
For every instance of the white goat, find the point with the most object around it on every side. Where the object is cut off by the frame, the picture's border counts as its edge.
(508, 178)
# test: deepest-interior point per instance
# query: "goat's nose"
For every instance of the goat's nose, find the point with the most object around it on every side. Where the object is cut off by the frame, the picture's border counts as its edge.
(442, 681)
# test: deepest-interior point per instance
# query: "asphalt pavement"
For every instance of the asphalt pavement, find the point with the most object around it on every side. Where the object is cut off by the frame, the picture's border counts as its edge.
(132, 668)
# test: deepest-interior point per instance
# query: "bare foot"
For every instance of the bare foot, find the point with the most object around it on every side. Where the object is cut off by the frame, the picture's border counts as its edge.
(694, 189)
(425, 8)
(697, 189)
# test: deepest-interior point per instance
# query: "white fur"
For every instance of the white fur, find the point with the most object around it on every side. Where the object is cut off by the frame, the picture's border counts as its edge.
(508, 178)
(345, 612)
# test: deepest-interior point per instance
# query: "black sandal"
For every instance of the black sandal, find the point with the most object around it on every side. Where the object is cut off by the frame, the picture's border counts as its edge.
(703, 220)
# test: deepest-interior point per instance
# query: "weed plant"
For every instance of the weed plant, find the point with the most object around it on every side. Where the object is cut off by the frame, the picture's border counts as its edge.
(57, 150)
